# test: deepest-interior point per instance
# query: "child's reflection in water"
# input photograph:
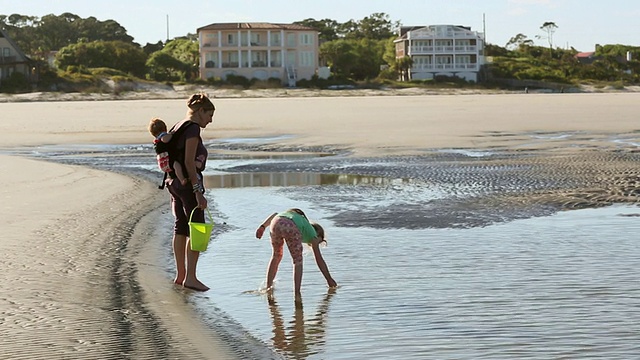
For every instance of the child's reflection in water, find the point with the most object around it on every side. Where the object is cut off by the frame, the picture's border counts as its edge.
(299, 337)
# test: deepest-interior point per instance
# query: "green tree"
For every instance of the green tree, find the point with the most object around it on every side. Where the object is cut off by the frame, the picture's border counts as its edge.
(518, 41)
(37, 36)
(548, 27)
(404, 65)
(162, 66)
(369, 58)
(21, 29)
(357, 59)
(57, 32)
(186, 51)
(340, 56)
(327, 28)
(377, 26)
(151, 48)
(110, 54)
(495, 50)
(93, 29)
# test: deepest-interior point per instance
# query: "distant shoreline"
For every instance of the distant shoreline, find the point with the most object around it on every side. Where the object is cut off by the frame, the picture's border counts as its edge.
(164, 92)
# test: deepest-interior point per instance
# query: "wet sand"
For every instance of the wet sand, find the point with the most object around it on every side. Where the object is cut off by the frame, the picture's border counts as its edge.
(81, 265)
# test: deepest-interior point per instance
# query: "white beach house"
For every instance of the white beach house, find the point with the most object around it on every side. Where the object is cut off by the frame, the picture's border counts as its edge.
(258, 50)
(447, 50)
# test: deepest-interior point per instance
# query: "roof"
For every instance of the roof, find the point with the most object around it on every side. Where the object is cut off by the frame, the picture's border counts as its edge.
(254, 26)
(586, 54)
(406, 29)
(16, 48)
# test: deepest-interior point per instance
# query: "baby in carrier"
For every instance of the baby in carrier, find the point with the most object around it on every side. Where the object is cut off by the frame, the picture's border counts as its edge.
(158, 129)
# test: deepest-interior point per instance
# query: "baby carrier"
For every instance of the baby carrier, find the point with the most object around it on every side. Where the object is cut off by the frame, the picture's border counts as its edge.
(170, 152)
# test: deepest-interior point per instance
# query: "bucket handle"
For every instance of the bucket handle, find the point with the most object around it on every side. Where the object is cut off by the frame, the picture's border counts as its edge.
(208, 212)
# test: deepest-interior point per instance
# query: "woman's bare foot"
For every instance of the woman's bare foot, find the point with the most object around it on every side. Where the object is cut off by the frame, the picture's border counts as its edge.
(195, 285)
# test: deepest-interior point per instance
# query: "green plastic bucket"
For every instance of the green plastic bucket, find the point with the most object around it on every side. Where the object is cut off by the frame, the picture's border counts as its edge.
(199, 233)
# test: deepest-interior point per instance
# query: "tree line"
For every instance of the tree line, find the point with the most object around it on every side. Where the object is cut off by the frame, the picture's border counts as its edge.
(353, 49)
(356, 50)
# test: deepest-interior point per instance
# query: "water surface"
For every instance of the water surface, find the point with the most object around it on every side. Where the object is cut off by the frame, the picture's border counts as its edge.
(561, 286)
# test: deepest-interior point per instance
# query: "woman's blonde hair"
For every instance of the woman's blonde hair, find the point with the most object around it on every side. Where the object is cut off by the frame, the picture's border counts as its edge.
(200, 101)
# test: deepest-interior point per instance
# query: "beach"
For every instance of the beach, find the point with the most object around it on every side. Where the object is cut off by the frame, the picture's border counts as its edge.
(81, 274)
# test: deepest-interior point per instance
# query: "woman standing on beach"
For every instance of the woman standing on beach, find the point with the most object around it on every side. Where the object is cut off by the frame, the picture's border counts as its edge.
(184, 198)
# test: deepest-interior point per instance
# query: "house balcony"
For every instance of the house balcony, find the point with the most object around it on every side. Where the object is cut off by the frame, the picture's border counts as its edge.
(444, 67)
(458, 49)
(448, 35)
(8, 59)
(263, 44)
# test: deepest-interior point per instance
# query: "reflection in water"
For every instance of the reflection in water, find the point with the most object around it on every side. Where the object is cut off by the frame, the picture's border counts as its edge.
(298, 338)
(292, 179)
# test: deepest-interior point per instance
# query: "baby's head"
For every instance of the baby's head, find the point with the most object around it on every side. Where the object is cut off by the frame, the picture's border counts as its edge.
(157, 127)
(319, 231)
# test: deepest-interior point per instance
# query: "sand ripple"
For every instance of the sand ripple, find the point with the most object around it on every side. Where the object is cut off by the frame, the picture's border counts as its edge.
(481, 190)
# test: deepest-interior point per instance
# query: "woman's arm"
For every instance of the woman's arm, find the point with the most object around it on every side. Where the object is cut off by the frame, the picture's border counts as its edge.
(265, 224)
(322, 265)
(190, 148)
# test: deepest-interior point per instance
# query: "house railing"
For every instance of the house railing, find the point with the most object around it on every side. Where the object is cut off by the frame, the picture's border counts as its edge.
(448, 67)
(443, 49)
(8, 59)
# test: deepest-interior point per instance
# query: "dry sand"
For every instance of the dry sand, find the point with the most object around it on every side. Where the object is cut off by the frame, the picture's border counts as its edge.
(81, 274)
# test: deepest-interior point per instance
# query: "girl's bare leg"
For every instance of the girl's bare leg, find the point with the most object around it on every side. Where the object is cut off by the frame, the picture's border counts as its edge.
(297, 280)
(276, 257)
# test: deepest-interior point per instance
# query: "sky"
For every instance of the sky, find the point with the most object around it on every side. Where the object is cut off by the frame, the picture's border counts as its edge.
(581, 23)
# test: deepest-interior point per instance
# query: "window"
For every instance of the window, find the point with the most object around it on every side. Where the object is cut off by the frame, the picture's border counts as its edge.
(6, 51)
(255, 39)
(306, 39)
(276, 58)
(231, 39)
(211, 59)
(210, 40)
(443, 60)
(306, 59)
(275, 39)
(291, 40)
(463, 59)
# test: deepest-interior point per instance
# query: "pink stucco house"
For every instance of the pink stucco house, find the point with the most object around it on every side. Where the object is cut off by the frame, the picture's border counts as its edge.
(258, 50)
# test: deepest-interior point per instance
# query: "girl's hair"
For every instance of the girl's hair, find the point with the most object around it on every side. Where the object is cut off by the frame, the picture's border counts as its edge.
(200, 101)
(298, 211)
(319, 231)
(157, 126)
